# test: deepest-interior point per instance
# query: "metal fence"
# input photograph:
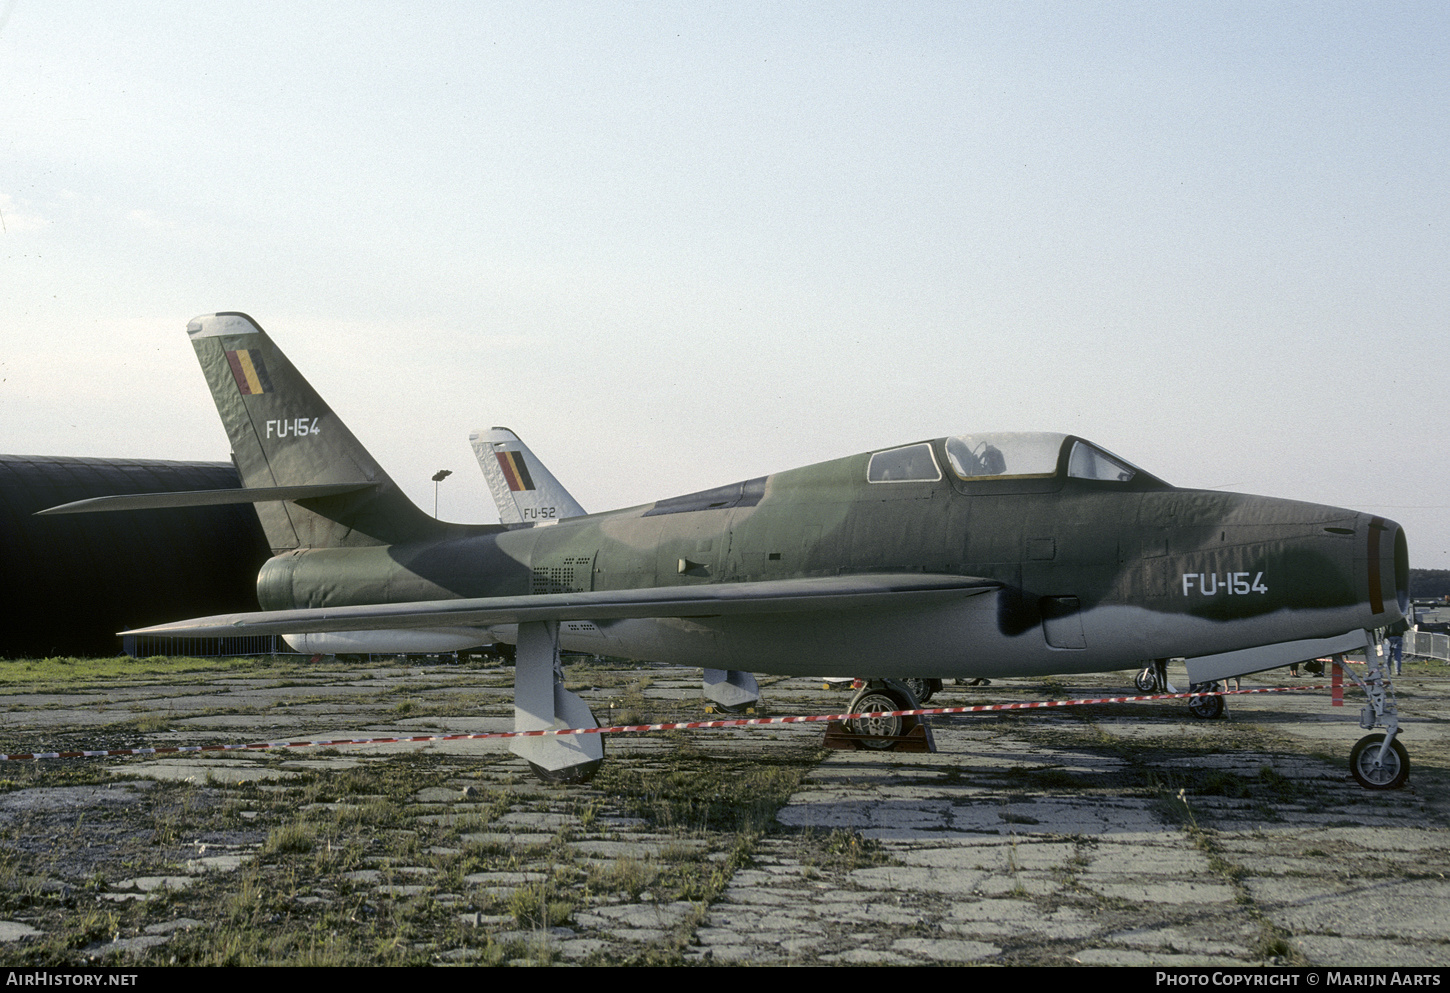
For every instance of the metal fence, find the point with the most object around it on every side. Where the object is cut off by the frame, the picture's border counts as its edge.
(1426, 645)
(147, 646)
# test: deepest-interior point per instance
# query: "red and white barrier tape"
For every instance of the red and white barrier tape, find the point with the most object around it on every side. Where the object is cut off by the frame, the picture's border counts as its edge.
(633, 728)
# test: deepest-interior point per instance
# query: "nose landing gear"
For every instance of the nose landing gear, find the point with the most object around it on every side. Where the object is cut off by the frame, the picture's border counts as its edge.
(1377, 761)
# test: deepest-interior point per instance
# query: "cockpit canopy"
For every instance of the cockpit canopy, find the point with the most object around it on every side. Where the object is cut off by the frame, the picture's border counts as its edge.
(1031, 455)
(1025, 455)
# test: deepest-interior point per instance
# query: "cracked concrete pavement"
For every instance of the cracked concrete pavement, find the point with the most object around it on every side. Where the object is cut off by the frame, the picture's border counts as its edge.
(1112, 835)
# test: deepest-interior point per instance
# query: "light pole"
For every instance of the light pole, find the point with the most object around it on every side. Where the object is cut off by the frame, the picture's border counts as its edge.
(438, 477)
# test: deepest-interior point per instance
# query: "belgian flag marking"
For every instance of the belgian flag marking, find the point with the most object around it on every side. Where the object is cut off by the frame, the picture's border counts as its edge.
(514, 471)
(249, 371)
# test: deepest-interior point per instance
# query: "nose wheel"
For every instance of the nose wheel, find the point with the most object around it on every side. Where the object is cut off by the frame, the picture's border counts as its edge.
(1376, 767)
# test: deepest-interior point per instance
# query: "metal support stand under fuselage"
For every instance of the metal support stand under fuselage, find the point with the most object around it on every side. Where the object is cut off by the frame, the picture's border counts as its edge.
(541, 702)
(730, 690)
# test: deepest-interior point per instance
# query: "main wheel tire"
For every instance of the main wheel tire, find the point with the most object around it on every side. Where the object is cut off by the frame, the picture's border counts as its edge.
(1373, 773)
(1146, 681)
(1206, 707)
(886, 728)
(922, 689)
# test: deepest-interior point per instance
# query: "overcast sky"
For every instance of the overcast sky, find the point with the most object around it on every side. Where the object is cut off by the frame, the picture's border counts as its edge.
(675, 245)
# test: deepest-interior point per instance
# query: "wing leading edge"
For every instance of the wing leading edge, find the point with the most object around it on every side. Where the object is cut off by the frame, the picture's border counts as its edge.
(203, 498)
(769, 597)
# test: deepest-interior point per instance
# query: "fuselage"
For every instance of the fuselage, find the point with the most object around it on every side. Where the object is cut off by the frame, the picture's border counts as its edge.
(1096, 565)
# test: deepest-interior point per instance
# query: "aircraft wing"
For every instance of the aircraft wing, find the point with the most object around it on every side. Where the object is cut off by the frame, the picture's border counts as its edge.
(718, 599)
(203, 498)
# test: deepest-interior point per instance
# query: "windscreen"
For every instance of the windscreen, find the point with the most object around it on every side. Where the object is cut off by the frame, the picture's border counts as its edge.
(978, 456)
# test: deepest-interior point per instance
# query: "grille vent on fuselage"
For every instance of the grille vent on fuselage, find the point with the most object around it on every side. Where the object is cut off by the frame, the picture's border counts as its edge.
(571, 575)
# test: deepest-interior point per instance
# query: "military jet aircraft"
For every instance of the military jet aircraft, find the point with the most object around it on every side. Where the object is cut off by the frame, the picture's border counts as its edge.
(973, 555)
(527, 492)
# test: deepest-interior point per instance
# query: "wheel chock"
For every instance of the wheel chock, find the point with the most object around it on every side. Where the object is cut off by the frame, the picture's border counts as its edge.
(918, 739)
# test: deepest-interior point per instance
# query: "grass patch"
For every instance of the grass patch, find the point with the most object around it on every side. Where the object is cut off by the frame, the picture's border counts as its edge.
(628, 877)
(291, 838)
(845, 850)
(706, 793)
(67, 671)
(537, 907)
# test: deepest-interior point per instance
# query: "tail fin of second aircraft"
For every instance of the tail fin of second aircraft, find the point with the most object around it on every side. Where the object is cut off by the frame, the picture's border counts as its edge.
(525, 491)
(284, 435)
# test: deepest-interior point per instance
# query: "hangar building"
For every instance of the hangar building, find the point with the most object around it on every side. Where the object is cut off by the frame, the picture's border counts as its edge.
(69, 583)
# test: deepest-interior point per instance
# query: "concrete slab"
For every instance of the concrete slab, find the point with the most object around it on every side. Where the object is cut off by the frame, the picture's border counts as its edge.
(199, 770)
(15, 930)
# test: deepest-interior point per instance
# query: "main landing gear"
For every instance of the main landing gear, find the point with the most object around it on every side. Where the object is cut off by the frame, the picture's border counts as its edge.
(878, 729)
(1210, 705)
(1204, 704)
(881, 727)
(922, 689)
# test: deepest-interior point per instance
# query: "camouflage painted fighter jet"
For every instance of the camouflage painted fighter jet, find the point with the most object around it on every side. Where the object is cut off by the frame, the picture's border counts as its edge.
(976, 555)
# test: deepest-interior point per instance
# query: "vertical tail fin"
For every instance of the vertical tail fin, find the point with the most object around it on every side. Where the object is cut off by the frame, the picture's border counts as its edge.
(284, 434)
(523, 489)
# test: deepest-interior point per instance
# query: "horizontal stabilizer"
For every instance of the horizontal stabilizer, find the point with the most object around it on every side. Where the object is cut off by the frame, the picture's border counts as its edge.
(735, 599)
(203, 498)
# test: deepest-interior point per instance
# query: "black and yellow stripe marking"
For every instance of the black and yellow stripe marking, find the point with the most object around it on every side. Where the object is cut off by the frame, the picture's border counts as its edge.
(515, 473)
(249, 371)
